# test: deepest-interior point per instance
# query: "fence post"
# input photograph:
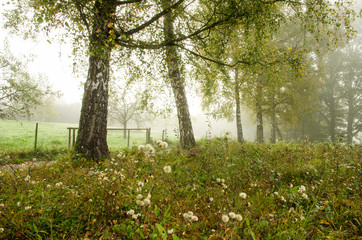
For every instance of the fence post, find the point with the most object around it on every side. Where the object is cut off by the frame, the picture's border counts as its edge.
(70, 138)
(73, 137)
(36, 136)
(148, 135)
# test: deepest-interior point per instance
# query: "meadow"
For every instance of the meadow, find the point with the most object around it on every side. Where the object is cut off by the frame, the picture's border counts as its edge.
(19, 136)
(220, 189)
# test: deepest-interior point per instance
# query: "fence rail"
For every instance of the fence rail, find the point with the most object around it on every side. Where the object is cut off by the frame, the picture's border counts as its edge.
(72, 134)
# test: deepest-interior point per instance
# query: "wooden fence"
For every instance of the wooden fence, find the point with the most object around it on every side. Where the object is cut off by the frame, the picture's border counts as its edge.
(72, 133)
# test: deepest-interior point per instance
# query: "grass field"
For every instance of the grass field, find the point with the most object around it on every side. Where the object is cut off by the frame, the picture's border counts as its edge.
(19, 136)
(219, 189)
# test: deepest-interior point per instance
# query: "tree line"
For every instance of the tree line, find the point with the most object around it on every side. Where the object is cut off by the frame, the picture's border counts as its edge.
(260, 53)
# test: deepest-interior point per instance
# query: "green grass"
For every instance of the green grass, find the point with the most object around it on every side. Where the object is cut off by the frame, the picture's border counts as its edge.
(75, 199)
(19, 136)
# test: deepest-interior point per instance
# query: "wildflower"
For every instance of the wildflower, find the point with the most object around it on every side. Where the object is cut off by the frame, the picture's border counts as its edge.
(194, 218)
(141, 147)
(302, 189)
(1, 230)
(232, 215)
(120, 155)
(58, 184)
(140, 203)
(170, 231)
(139, 196)
(167, 169)
(283, 199)
(140, 184)
(218, 180)
(305, 196)
(90, 200)
(164, 145)
(28, 207)
(18, 203)
(149, 148)
(147, 201)
(34, 159)
(2, 205)
(211, 199)
(135, 216)
(276, 193)
(130, 212)
(243, 195)
(238, 217)
(225, 218)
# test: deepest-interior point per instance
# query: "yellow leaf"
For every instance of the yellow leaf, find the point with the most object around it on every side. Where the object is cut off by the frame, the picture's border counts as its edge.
(110, 25)
(324, 222)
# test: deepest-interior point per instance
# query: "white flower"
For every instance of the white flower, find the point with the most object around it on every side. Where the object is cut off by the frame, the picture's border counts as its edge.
(218, 180)
(225, 218)
(90, 200)
(58, 184)
(164, 145)
(305, 196)
(211, 199)
(28, 207)
(243, 195)
(135, 216)
(1, 230)
(140, 203)
(283, 199)
(27, 178)
(120, 155)
(170, 231)
(141, 148)
(276, 193)
(147, 201)
(232, 215)
(301, 189)
(150, 149)
(140, 184)
(139, 196)
(167, 169)
(239, 217)
(130, 212)
(186, 215)
(194, 218)
(18, 203)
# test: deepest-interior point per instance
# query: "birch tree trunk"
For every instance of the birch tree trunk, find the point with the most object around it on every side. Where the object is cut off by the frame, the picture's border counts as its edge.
(259, 112)
(239, 127)
(187, 138)
(92, 133)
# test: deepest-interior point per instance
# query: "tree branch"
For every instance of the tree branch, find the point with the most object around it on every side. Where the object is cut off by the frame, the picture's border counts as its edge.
(118, 3)
(153, 19)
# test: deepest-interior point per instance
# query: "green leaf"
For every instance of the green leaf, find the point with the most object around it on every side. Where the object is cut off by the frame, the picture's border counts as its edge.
(40, 20)
(156, 210)
(162, 231)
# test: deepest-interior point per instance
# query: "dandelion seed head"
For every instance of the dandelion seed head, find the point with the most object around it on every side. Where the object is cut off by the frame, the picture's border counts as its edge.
(232, 215)
(238, 217)
(243, 195)
(225, 218)
(167, 169)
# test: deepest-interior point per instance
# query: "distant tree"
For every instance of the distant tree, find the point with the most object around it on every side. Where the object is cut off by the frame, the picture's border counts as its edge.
(20, 92)
(125, 108)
